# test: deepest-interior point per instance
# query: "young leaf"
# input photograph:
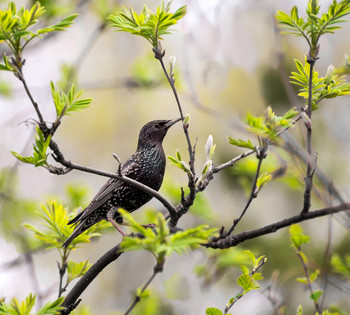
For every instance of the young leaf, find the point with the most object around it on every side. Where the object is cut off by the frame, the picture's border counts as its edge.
(17, 308)
(241, 143)
(263, 180)
(297, 237)
(53, 308)
(314, 275)
(39, 157)
(56, 230)
(244, 269)
(246, 282)
(180, 164)
(151, 26)
(213, 311)
(302, 280)
(77, 270)
(15, 27)
(316, 295)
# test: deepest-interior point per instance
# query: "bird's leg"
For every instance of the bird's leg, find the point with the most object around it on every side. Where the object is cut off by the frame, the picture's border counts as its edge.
(110, 217)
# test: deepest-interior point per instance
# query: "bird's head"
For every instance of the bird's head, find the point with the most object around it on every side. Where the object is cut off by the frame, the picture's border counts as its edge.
(154, 132)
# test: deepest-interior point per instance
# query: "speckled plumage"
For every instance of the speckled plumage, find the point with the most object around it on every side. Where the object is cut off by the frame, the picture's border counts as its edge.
(146, 165)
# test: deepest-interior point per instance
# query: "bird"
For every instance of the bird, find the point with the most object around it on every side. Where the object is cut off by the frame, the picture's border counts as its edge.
(146, 165)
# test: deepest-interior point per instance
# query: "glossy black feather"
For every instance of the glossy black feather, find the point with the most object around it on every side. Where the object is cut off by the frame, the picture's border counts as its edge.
(146, 165)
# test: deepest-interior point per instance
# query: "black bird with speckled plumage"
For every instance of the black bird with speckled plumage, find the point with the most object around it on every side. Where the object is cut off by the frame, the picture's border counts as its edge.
(146, 165)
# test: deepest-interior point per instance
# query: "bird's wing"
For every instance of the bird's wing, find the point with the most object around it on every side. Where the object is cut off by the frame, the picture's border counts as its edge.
(105, 192)
(101, 197)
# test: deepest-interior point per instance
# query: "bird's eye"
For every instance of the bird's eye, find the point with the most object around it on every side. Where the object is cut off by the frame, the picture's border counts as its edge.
(156, 126)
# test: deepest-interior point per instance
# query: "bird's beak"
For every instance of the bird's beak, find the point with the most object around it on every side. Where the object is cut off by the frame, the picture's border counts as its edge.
(171, 122)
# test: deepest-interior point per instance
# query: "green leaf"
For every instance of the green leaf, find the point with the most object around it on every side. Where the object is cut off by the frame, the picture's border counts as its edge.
(300, 310)
(314, 275)
(180, 164)
(297, 237)
(15, 26)
(245, 269)
(263, 179)
(39, 157)
(246, 282)
(161, 242)
(257, 276)
(56, 230)
(302, 280)
(53, 308)
(151, 26)
(213, 311)
(241, 143)
(341, 265)
(250, 255)
(65, 104)
(316, 295)
(76, 270)
(17, 308)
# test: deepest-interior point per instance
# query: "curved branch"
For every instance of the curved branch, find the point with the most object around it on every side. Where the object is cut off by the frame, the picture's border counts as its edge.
(235, 239)
(71, 166)
(72, 297)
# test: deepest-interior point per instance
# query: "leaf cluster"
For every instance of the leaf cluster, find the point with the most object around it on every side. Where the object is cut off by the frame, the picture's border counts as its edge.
(314, 24)
(55, 218)
(39, 157)
(297, 236)
(66, 104)
(76, 270)
(332, 85)
(266, 127)
(15, 29)
(178, 162)
(151, 26)
(160, 242)
(325, 312)
(341, 265)
(248, 281)
(25, 307)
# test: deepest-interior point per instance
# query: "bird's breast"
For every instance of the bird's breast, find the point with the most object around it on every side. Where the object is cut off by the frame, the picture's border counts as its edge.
(147, 167)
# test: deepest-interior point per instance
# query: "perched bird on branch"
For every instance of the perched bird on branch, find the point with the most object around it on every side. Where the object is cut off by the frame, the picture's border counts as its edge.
(146, 165)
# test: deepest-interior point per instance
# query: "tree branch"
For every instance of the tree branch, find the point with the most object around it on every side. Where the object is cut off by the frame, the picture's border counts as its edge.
(235, 239)
(71, 166)
(72, 297)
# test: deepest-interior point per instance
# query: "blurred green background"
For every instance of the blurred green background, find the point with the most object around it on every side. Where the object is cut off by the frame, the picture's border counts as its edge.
(230, 60)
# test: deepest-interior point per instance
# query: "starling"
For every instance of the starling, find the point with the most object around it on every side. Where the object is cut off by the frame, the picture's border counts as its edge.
(146, 165)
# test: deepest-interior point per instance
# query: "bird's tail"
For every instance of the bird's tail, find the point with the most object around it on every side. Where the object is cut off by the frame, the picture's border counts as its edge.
(78, 230)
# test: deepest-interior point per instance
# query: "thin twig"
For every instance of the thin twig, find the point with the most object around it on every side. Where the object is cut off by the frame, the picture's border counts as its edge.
(159, 54)
(310, 165)
(72, 166)
(235, 239)
(253, 194)
(35, 104)
(240, 294)
(306, 271)
(326, 264)
(157, 269)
